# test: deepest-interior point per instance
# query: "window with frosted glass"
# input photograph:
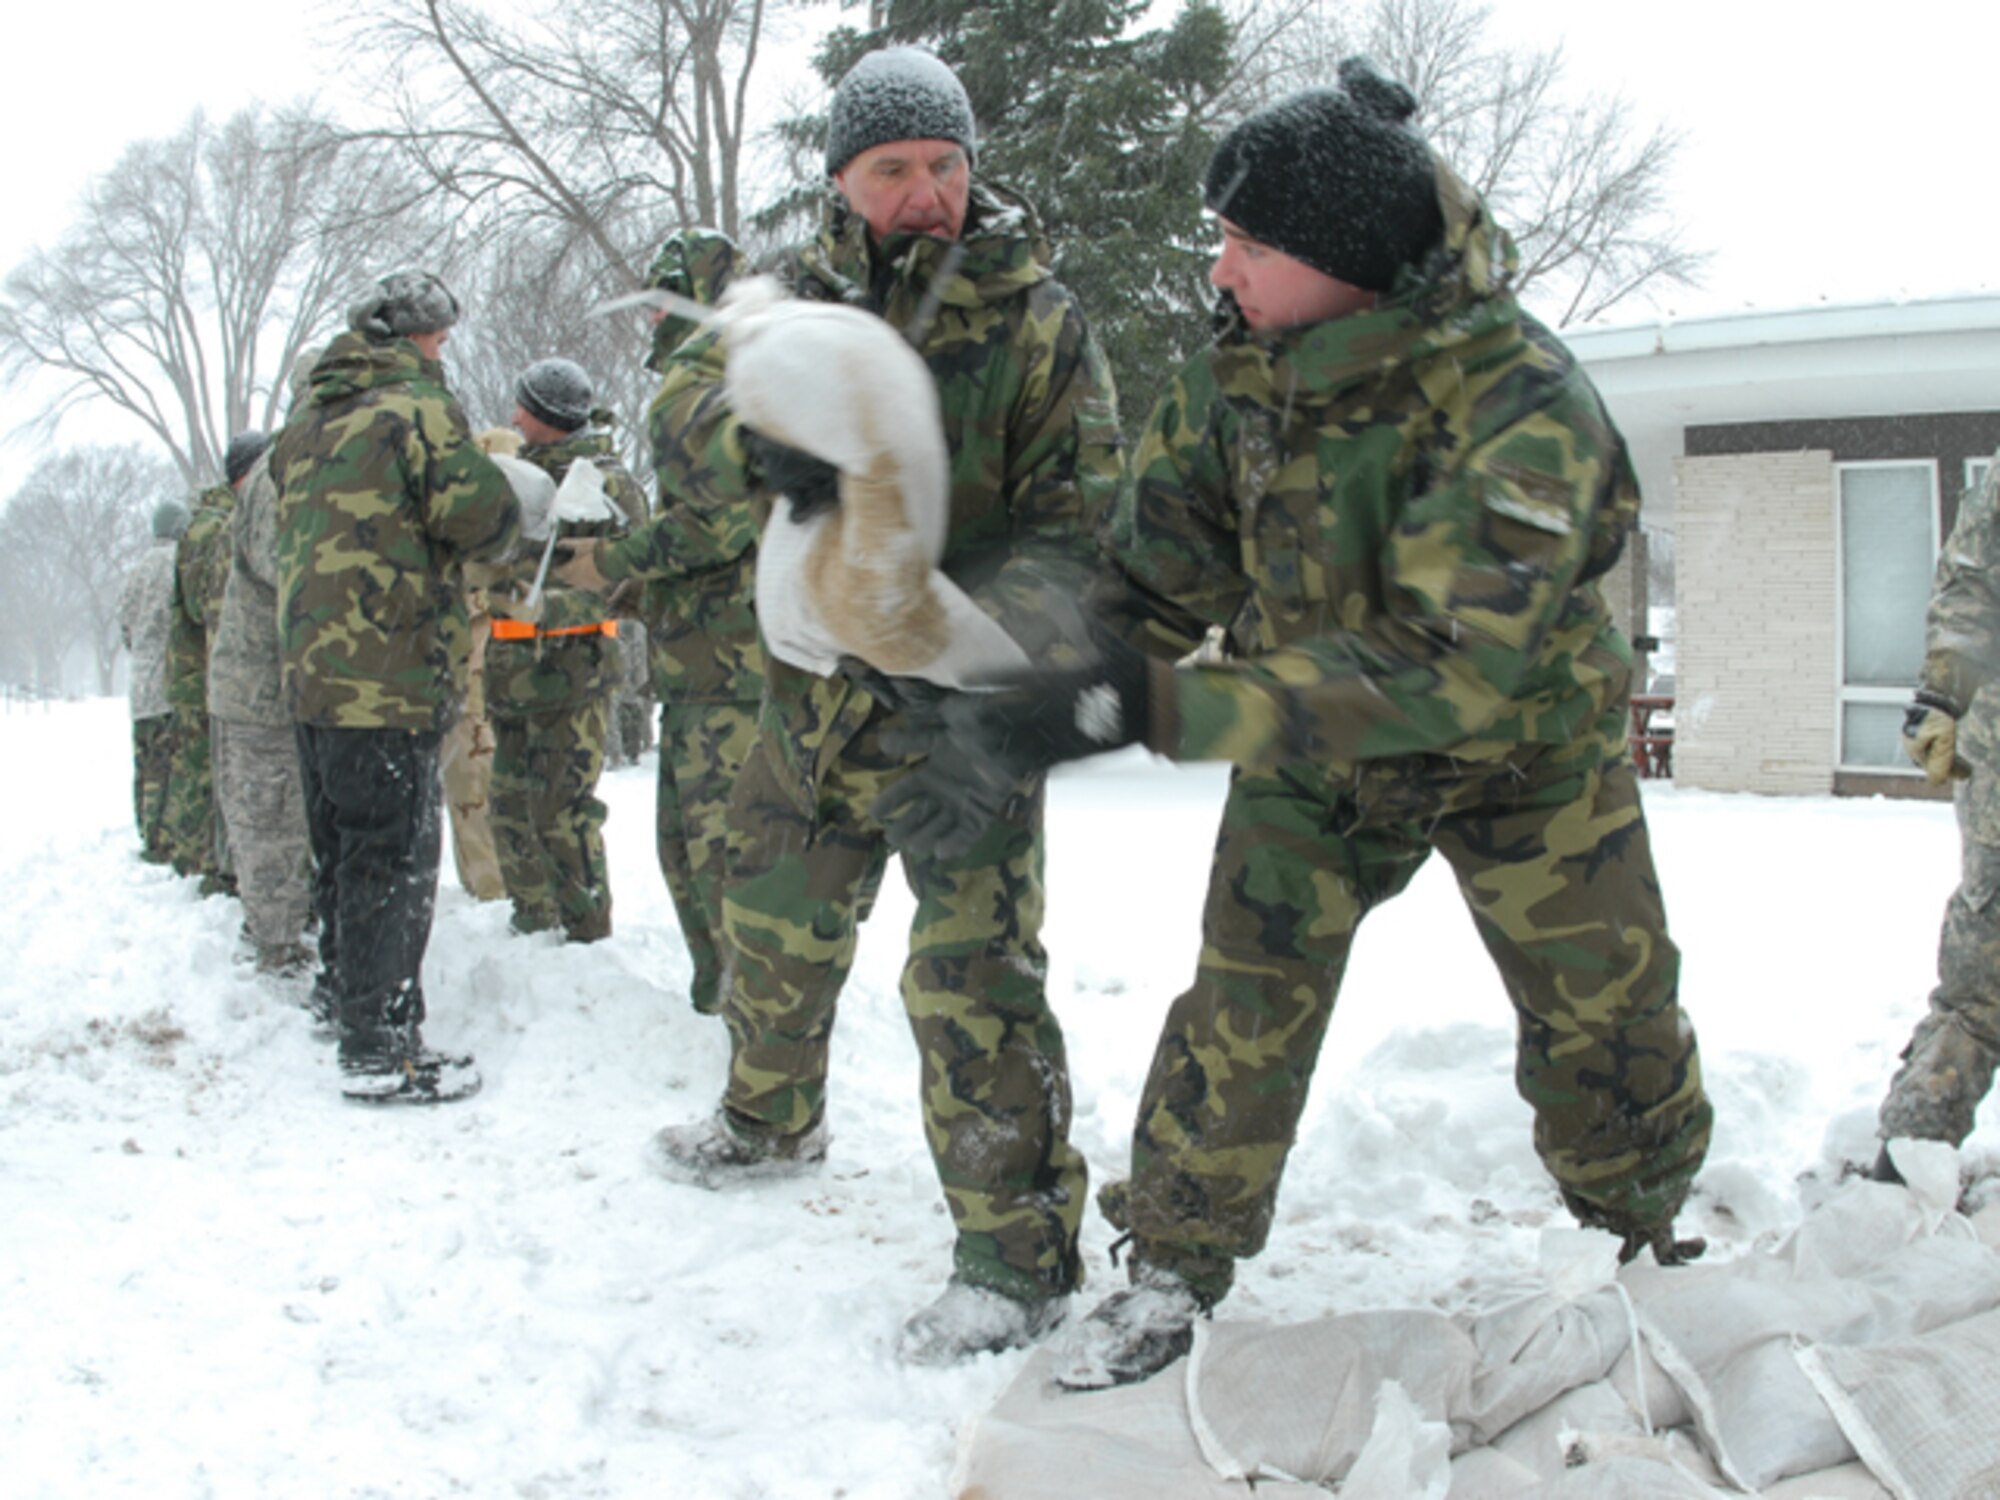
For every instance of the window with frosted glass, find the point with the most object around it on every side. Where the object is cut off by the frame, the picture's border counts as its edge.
(1888, 548)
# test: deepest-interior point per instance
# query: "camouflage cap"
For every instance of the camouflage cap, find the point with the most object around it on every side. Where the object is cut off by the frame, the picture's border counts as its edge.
(403, 303)
(170, 519)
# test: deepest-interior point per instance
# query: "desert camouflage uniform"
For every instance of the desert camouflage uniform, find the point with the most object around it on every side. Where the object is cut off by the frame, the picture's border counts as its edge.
(256, 751)
(465, 758)
(192, 826)
(382, 496)
(706, 661)
(144, 617)
(632, 699)
(548, 697)
(1949, 1063)
(1398, 520)
(1030, 422)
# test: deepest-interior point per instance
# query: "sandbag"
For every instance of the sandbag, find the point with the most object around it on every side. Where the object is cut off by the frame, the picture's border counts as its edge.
(861, 579)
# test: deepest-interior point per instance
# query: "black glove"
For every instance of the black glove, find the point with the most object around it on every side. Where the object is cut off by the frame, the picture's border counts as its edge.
(810, 484)
(985, 746)
(1667, 1250)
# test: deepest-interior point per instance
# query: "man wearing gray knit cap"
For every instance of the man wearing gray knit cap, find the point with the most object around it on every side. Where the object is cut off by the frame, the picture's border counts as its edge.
(1028, 419)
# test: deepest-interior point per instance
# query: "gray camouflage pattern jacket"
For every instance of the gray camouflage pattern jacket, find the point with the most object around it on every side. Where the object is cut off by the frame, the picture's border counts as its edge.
(144, 615)
(1962, 650)
(244, 679)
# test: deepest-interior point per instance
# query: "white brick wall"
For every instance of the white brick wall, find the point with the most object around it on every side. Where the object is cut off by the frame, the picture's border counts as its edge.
(1754, 624)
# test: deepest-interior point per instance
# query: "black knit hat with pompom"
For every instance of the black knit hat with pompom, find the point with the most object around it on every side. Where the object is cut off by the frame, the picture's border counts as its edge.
(1333, 177)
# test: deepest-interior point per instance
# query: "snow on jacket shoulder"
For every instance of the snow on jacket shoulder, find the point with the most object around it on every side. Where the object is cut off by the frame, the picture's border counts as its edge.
(382, 494)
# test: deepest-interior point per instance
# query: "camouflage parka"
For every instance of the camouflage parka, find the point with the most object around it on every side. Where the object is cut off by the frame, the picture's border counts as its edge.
(190, 626)
(382, 495)
(701, 618)
(1030, 420)
(1962, 648)
(551, 672)
(1397, 518)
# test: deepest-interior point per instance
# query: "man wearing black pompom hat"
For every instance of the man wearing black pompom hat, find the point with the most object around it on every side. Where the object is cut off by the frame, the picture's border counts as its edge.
(1365, 533)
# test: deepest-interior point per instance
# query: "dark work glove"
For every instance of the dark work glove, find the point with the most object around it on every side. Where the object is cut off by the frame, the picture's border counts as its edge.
(1667, 1250)
(984, 746)
(809, 484)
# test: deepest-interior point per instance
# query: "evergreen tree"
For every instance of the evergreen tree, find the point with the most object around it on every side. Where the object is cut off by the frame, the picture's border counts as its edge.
(1106, 132)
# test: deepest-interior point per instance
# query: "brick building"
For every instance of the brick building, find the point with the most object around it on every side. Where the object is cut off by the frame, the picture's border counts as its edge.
(1807, 463)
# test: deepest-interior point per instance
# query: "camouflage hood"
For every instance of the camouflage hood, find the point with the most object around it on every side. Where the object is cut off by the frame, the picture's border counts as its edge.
(1461, 291)
(353, 364)
(1003, 252)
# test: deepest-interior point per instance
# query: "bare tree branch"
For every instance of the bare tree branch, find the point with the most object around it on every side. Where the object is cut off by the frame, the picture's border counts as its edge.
(197, 269)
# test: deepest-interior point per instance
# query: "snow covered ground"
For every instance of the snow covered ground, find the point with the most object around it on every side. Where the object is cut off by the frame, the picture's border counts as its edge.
(218, 1280)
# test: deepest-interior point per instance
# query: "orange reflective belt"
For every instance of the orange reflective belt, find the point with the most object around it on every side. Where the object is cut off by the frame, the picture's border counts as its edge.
(522, 630)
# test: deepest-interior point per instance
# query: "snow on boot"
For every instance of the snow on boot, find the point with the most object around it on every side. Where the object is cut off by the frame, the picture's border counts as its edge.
(714, 1153)
(395, 1067)
(1131, 1335)
(967, 1320)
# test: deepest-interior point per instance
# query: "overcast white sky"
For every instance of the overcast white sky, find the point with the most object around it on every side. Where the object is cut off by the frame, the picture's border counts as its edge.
(1833, 151)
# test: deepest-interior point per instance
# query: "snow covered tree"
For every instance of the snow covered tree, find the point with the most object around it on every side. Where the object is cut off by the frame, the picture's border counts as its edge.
(68, 537)
(196, 270)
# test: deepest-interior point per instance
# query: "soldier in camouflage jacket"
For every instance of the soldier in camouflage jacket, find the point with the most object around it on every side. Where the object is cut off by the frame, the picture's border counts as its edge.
(1952, 731)
(550, 679)
(257, 785)
(1029, 422)
(144, 617)
(193, 829)
(1374, 515)
(382, 495)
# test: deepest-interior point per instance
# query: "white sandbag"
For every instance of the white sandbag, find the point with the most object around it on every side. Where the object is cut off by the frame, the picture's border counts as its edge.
(1923, 1413)
(1041, 1442)
(1407, 1456)
(1851, 1481)
(1862, 1269)
(535, 491)
(582, 499)
(861, 579)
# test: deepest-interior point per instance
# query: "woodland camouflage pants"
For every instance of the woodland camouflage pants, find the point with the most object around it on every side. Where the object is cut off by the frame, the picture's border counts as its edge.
(190, 809)
(152, 773)
(1554, 863)
(1948, 1066)
(547, 820)
(702, 750)
(995, 1079)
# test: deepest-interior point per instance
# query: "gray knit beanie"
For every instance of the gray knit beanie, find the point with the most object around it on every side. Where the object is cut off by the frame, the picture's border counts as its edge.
(1335, 178)
(403, 303)
(897, 94)
(242, 453)
(555, 391)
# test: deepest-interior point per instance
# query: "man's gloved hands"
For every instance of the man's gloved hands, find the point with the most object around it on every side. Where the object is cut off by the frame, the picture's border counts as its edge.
(1930, 738)
(810, 484)
(984, 746)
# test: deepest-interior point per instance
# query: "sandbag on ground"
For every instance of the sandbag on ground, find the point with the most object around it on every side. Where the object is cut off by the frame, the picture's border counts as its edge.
(1893, 1302)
